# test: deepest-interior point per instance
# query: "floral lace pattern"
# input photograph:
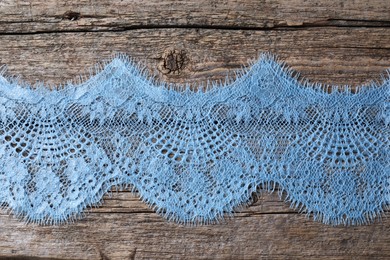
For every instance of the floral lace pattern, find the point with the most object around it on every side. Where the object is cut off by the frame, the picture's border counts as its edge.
(195, 156)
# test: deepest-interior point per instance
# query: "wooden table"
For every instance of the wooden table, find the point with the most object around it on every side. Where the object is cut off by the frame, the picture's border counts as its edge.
(343, 42)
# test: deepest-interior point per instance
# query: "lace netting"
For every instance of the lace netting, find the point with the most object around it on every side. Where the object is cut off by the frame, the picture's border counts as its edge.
(195, 156)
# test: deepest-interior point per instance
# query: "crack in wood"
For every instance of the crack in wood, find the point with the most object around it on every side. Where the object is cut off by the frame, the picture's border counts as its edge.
(331, 23)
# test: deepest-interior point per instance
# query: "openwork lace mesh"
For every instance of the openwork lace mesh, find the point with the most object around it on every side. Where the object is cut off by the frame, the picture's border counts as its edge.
(195, 156)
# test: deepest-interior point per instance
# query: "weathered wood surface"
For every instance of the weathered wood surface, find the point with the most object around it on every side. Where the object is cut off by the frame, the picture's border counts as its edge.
(326, 54)
(343, 42)
(53, 15)
(123, 228)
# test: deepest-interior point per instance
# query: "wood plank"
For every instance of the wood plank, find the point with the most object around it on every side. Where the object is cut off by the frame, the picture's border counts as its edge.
(329, 55)
(51, 15)
(145, 235)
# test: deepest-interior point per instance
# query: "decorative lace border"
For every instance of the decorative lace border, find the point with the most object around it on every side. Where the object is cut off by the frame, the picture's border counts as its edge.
(195, 155)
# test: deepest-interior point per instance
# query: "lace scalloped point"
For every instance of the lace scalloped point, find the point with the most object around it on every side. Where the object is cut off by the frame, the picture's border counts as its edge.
(195, 156)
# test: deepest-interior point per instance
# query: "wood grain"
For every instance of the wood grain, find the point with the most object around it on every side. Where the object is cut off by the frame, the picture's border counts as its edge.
(138, 233)
(51, 15)
(343, 42)
(329, 55)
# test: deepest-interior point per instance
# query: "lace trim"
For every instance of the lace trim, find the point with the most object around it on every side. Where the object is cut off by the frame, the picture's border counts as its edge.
(195, 156)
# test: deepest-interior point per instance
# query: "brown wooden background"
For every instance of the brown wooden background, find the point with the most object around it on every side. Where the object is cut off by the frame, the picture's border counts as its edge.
(335, 42)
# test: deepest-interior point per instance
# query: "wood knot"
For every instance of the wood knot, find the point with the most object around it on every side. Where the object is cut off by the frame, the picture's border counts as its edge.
(70, 15)
(173, 61)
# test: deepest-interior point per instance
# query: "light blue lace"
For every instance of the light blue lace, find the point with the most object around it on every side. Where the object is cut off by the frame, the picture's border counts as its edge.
(195, 156)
